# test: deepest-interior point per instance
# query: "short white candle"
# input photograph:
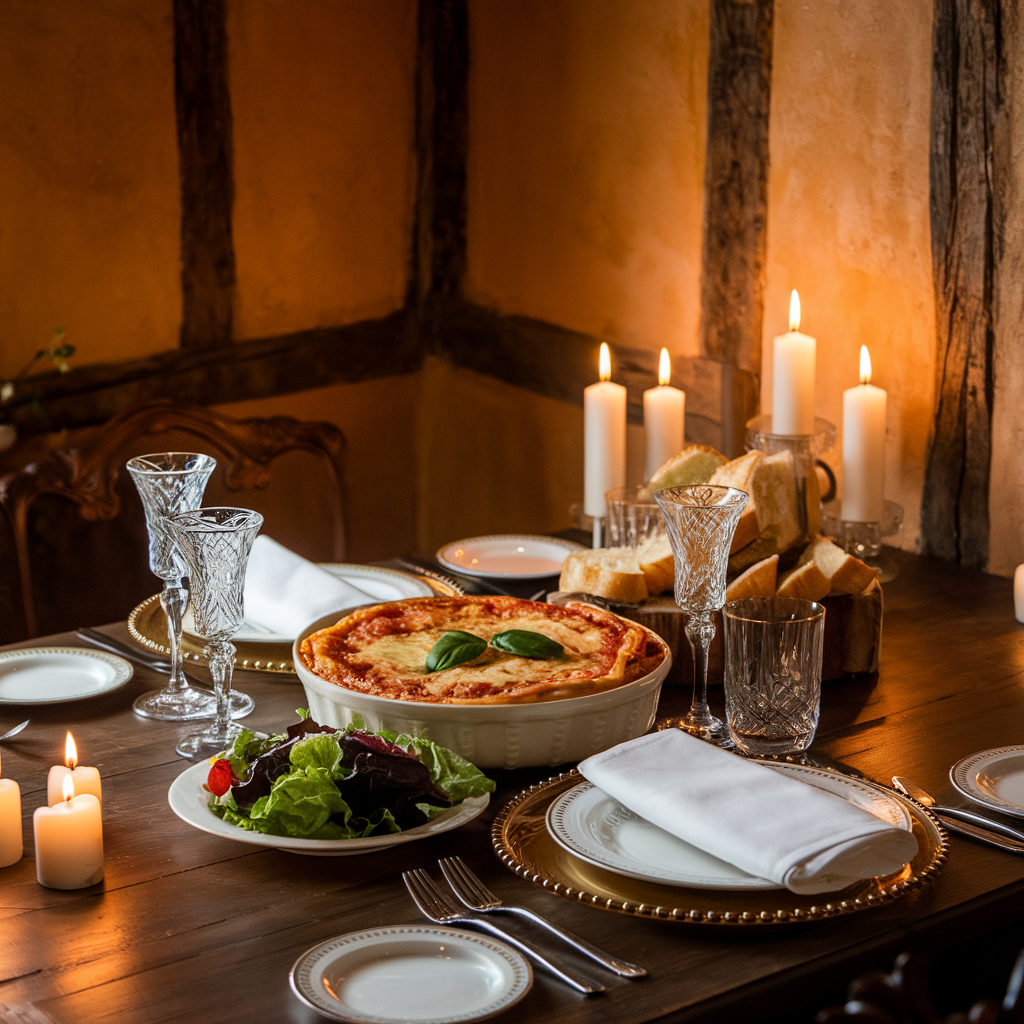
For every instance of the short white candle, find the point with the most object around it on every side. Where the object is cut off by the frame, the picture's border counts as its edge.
(87, 780)
(793, 359)
(864, 448)
(69, 841)
(664, 411)
(604, 439)
(1018, 593)
(12, 844)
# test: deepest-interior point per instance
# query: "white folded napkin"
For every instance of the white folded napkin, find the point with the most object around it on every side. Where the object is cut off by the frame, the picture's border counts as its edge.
(769, 824)
(285, 593)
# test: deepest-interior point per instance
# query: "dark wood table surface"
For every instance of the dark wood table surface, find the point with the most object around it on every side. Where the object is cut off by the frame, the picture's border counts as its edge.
(187, 926)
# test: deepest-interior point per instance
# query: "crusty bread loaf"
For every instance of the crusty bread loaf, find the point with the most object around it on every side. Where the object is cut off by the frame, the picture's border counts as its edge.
(847, 574)
(758, 581)
(693, 465)
(806, 582)
(773, 488)
(613, 573)
(739, 474)
(657, 563)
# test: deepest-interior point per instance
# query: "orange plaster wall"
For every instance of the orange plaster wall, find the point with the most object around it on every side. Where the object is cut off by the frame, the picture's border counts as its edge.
(586, 165)
(323, 104)
(848, 213)
(89, 215)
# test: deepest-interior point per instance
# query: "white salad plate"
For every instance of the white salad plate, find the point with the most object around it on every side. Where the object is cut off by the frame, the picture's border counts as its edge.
(598, 829)
(993, 778)
(411, 974)
(509, 556)
(380, 584)
(190, 802)
(53, 675)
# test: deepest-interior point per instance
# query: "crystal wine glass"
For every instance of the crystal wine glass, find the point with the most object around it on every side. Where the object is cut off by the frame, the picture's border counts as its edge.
(215, 543)
(171, 482)
(701, 521)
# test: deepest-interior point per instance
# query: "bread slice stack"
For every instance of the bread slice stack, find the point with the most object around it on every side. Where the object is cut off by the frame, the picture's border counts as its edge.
(693, 465)
(740, 474)
(825, 567)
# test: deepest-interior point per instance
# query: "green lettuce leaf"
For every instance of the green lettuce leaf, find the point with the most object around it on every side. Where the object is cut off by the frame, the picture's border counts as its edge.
(300, 803)
(458, 777)
(320, 750)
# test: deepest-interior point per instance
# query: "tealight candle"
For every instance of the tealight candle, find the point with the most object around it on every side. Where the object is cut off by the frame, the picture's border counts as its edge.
(87, 780)
(604, 440)
(69, 841)
(864, 448)
(793, 362)
(664, 410)
(12, 844)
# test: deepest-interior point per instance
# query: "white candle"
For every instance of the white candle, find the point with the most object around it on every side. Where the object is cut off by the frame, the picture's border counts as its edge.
(12, 845)
(1018, 593)
(664, 409)
(793, 358)
(87, 780)
(864, 448)
(604, 439)
(69, 841)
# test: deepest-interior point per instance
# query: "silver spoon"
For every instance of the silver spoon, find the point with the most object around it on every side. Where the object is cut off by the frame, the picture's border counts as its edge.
(14, 732)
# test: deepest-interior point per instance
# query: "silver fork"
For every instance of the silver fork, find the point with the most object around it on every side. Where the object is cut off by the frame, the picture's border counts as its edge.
(14, 732)
(436, 906)
(475, 895)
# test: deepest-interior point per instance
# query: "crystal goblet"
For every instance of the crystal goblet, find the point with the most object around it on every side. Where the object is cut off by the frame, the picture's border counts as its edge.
(171, 482)
(215, 543)
(701, 521)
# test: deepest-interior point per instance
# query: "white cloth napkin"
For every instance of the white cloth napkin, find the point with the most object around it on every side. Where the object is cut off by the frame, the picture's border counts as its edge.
(769, 824)
(285, 593)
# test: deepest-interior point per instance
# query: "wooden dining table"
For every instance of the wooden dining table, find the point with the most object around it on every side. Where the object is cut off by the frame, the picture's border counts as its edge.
(187, 926)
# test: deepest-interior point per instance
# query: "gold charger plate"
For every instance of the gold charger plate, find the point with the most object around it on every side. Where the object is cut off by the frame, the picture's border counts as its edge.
(148, 626)
(523, 844)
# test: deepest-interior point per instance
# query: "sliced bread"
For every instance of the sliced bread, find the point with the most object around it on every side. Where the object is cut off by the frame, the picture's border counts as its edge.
(757, 581)
(847, 574)
(773, 488)
(739, 473)
(693, 465)
(613, 573)
(806, 582)
(657, 564)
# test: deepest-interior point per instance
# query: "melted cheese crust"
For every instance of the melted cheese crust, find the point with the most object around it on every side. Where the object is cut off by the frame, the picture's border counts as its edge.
(383, 651)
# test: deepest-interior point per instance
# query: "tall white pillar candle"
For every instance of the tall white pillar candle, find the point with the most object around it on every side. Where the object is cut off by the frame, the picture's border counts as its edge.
(793, 360)
(1018, 593)
(604, 439)
(87, 780)
(69, 841)
(864, 448)
(664, 411)
(12, 844)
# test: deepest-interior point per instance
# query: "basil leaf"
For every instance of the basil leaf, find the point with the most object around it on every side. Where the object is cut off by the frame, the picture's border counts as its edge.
(527, 644)
(453, 648)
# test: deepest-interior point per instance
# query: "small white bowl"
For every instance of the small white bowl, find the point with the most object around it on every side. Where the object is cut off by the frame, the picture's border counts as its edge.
(497, 735)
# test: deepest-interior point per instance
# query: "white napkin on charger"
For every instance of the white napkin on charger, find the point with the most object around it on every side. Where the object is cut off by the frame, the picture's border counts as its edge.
(285, 593)
(771, 825)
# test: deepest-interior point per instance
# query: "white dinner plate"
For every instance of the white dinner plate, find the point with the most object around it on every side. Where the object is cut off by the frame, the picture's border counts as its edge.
(380, 584)
(190, 802)
(598, 829)
(53, 675)
(993, 778)
(509, 556)
(411, 974)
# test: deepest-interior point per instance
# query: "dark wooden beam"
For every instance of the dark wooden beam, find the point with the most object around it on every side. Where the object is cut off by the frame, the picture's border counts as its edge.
(442, 147)
(966, 106)
(203, 107)
(736, 205)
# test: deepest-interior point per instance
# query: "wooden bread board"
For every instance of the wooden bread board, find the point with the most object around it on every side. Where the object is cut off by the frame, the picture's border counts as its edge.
(853, 634)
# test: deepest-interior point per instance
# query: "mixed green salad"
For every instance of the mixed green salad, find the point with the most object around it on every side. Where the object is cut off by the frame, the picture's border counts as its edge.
(317, 782)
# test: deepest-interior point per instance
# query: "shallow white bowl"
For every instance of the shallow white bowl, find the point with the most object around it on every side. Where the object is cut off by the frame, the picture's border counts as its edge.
(498, 735)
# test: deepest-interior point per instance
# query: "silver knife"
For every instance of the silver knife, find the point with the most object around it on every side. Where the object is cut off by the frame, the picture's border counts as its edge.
(964, 822)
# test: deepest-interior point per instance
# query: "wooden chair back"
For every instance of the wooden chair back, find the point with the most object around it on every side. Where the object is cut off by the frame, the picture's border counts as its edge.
(90, 476)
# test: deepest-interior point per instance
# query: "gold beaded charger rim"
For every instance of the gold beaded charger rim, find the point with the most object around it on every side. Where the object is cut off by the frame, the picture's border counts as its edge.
(522, 842)
(148, 626)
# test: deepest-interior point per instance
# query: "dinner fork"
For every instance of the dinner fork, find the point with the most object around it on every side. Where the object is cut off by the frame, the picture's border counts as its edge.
(475, 895)
(437, 908)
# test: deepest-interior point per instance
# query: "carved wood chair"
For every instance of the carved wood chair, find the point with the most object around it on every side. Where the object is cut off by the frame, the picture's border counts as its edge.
(90, 476)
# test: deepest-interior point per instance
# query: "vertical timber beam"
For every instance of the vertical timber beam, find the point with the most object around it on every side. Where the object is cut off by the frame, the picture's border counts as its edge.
(965, 110)
(203, 107)
(736, 205)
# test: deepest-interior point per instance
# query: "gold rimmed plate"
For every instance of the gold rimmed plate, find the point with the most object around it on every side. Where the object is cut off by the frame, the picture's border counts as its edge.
(524, 844)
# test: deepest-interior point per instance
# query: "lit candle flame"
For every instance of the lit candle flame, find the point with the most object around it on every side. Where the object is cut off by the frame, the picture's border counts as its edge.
(68, 787)
(606, 362)
(865, 365)
(70, 752)
(664, 368)
(794, 311)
